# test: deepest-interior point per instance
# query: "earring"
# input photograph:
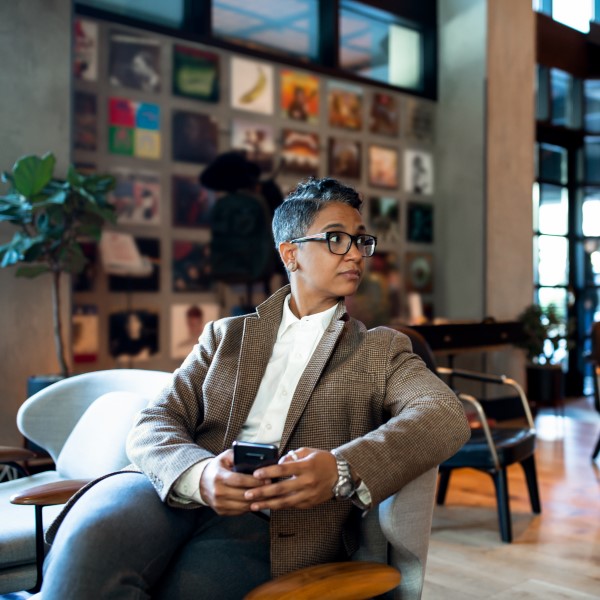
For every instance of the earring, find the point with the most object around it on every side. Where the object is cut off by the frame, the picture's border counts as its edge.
(292, 266)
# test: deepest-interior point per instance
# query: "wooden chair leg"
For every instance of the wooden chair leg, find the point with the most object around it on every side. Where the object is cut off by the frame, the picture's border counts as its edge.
(531, 476)
(501, 484)
(444, 480)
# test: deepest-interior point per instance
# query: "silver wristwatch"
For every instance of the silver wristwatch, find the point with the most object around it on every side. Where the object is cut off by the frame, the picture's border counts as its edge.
(344, 487)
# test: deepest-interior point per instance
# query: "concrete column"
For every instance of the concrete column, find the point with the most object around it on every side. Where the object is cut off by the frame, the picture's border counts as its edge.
(35, 79)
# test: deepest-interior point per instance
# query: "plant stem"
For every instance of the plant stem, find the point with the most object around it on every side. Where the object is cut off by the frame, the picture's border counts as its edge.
(57, 319)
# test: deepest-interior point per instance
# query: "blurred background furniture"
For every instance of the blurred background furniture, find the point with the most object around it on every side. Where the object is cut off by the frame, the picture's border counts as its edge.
(595, 357)
(82, 422)
(494, 445)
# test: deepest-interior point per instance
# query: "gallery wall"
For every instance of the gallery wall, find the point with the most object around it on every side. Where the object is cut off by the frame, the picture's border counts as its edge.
(154, 111)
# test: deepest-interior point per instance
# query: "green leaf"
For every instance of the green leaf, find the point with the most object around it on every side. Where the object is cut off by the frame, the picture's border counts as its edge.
(32, 174)
(32, 271)
(9, 256)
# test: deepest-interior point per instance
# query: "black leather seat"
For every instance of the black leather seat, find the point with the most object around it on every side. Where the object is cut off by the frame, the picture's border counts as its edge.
(492, 447)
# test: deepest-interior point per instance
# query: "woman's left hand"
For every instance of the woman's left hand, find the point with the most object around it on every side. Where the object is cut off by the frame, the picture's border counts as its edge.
(307, 479)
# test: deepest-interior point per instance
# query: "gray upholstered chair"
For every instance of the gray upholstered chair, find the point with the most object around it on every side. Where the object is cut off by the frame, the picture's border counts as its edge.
(83, 421)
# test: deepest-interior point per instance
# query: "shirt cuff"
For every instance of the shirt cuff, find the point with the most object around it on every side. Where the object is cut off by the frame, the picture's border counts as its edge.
(187, 487)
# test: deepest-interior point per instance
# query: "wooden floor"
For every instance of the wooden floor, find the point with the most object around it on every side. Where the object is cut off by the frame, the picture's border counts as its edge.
(555, 555)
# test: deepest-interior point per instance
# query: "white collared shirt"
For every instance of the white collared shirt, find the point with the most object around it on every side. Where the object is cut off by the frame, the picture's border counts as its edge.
(294, 346)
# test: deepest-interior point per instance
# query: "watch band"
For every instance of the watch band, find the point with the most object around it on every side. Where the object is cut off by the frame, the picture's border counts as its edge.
(344, 487)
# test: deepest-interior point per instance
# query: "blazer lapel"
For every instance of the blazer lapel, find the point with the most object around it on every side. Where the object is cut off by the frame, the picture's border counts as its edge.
(312, 373)
(258, 338)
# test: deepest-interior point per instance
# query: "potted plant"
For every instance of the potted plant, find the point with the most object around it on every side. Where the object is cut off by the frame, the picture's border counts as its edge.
(52, 216)
(544, 335)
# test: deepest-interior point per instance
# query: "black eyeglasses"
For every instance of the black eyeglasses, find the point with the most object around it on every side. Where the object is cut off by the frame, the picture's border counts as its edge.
(340, 242)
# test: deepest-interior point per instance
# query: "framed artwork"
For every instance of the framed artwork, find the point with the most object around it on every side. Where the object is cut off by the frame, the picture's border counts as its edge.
(300, 152)
(256, 140)
(85, 50)
(345, 158)
(420, 120)
(85, 131)
(419, 272)
(134, 128)
(191, 267)
(419, 223)
(187, 323)
(383, 166)
(194, 137)
(144, 281)
(134, 62)
(133, 334)
(345, 105)
(84, 323)
(418, 172)
(136, 197)
(384, 115)
(384, 219)
(252, 86)
(195, 73)
(192, 202)
(299, 96)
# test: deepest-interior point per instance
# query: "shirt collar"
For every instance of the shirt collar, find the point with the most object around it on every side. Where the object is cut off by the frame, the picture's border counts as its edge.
(288, 318)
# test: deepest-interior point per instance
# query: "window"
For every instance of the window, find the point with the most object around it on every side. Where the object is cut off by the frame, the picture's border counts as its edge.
(289, 27)
(573, 13)
(380, 46)
(592, 105)
(155, 11)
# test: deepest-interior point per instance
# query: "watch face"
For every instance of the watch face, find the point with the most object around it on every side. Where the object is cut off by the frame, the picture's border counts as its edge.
(345, 489)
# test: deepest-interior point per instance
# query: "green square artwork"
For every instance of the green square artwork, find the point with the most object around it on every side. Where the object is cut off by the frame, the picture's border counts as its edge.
(195, 74)
(120, 140)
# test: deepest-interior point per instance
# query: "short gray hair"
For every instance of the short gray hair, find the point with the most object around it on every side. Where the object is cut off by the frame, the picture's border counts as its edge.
(296, 214)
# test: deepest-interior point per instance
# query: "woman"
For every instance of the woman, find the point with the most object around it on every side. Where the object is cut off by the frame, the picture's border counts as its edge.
(354, 413)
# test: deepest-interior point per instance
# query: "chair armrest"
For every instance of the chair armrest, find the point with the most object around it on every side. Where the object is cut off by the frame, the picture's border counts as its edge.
(49, 494)
(495, 379)
(13, 454)
(468, 399)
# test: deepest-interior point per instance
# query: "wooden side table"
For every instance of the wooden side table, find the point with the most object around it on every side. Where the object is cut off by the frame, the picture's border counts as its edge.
(351, 580)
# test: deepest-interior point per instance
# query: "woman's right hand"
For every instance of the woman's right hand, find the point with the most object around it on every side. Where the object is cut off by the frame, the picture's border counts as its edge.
(223, 489)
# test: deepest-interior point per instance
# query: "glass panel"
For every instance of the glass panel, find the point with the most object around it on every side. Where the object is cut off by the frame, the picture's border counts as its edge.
(375, 44)
(561, 92)
(553, 163)
(558, 297)
(156, 11)
(552, 260)
(591, 262)
(542, 93)
(592, 105)
(574, 13)
(291, 27)
(543, 6)
(590, 212)
(591, 159)
(551, 212)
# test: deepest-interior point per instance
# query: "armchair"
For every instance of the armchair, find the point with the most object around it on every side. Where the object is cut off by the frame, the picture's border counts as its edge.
(82, 422)
(492, 447)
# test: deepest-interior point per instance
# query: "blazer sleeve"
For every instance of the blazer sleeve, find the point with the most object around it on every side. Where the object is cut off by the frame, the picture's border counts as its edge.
(162, 442)
(428, 425)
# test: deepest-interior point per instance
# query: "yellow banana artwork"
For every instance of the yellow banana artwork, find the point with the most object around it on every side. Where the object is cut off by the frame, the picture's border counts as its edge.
(256, 90)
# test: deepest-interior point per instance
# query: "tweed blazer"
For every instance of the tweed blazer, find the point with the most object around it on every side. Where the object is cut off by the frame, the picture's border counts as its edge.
(363, 393)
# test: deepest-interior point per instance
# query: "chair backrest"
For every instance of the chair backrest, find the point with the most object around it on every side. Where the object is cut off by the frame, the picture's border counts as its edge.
(48, 417)
(420, 346)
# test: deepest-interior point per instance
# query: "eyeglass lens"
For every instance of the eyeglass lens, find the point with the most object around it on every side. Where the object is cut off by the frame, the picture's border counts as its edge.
(339, 243)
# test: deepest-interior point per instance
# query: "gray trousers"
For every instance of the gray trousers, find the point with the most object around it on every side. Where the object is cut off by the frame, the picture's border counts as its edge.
(120, 541)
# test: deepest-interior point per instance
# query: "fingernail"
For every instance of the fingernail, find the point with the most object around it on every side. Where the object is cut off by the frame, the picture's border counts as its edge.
(248, 495)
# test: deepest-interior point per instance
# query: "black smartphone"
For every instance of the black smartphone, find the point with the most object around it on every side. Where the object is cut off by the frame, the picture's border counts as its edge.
(249, 456)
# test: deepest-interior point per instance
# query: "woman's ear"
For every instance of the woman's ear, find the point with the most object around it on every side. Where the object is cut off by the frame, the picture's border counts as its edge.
(287, 252)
